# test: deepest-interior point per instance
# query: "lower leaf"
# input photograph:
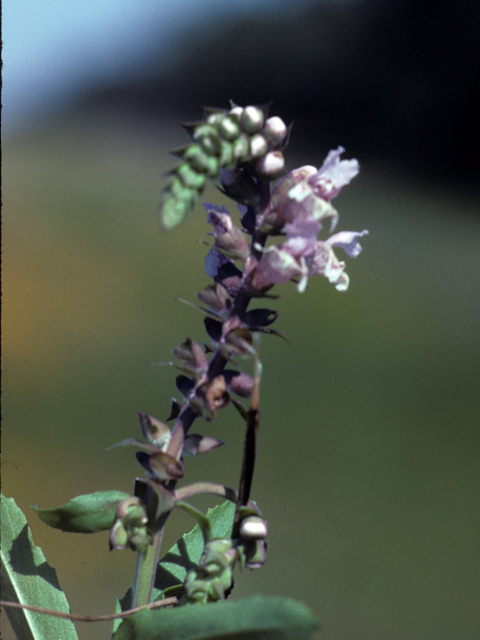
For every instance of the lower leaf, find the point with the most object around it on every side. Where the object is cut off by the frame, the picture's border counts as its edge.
(28, 579)
(255, 618)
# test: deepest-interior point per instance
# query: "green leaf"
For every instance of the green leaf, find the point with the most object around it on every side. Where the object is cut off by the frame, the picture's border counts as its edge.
(28, 579)
(255, 618)
(186, 552)
(85, 514)
(122, 604)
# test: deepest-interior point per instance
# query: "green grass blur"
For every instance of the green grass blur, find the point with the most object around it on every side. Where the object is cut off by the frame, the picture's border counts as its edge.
(368, 464)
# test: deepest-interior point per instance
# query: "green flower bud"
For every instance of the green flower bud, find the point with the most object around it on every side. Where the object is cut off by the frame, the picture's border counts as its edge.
(210, 145)
(199, 160)
(204, 130)
(252, 119)
(179, 191)
(136, 516)
(215, 118)
(241, 148)
(191, 178)
(255, 555)
(218, 555)
(229, 128)
(139, 538)
(173, 211)
(227, 158)
(126, 505)
(118, 536)
(196, 588)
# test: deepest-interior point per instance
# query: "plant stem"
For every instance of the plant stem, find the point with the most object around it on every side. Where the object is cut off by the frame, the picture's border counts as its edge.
(250, 448)
(147, 568)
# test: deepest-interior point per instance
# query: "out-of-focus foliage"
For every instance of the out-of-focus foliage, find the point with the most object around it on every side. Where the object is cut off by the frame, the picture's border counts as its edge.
(396, 80)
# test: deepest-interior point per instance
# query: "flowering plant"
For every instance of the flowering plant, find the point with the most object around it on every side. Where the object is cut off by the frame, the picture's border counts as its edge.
(241, 148)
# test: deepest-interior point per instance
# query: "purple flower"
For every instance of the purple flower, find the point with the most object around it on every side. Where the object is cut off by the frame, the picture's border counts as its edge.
(305, 193)
(302, 256)
(333, 175)
(324, 262)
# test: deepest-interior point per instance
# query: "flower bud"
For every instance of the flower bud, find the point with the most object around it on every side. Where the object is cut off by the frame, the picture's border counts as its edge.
(228, 236)
(195, 587)
(252, 119)
(179, 191)
(258, 145)
(215, 118)
(173, 211)
(239, 382)
(241, 148)
(118, 537)
(218, 555)
(237, 111)
(272, 165)
(190, 177)
(216, 297)
(190, 352)
(207, 137)
(203, 130)
(255, 555)
(275, 130)
(229, 128)
(199, 160)
(155, 431)
(139, 538)
(253, 528)
(211, 145)
(126, 505)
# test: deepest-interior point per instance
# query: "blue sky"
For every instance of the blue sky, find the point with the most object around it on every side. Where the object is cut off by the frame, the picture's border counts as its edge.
(54, 48)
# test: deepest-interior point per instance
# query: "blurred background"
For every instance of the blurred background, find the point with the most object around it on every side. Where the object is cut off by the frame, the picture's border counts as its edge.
(368, 466)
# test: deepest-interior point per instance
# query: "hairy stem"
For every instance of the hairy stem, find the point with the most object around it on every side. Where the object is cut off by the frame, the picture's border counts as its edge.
(147, 568)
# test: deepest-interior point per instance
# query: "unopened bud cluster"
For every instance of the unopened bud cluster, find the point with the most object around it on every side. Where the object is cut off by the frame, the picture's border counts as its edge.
(213, 579)
(224, 140)
(130, 530)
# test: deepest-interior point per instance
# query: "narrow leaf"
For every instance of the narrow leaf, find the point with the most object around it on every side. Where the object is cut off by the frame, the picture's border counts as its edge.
(89, 513)
(255, 618)
(28, 579)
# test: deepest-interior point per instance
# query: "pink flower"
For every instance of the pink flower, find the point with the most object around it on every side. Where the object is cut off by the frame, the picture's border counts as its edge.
(302, 256)
(333, 175)
(305, 193)
(324, 262)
